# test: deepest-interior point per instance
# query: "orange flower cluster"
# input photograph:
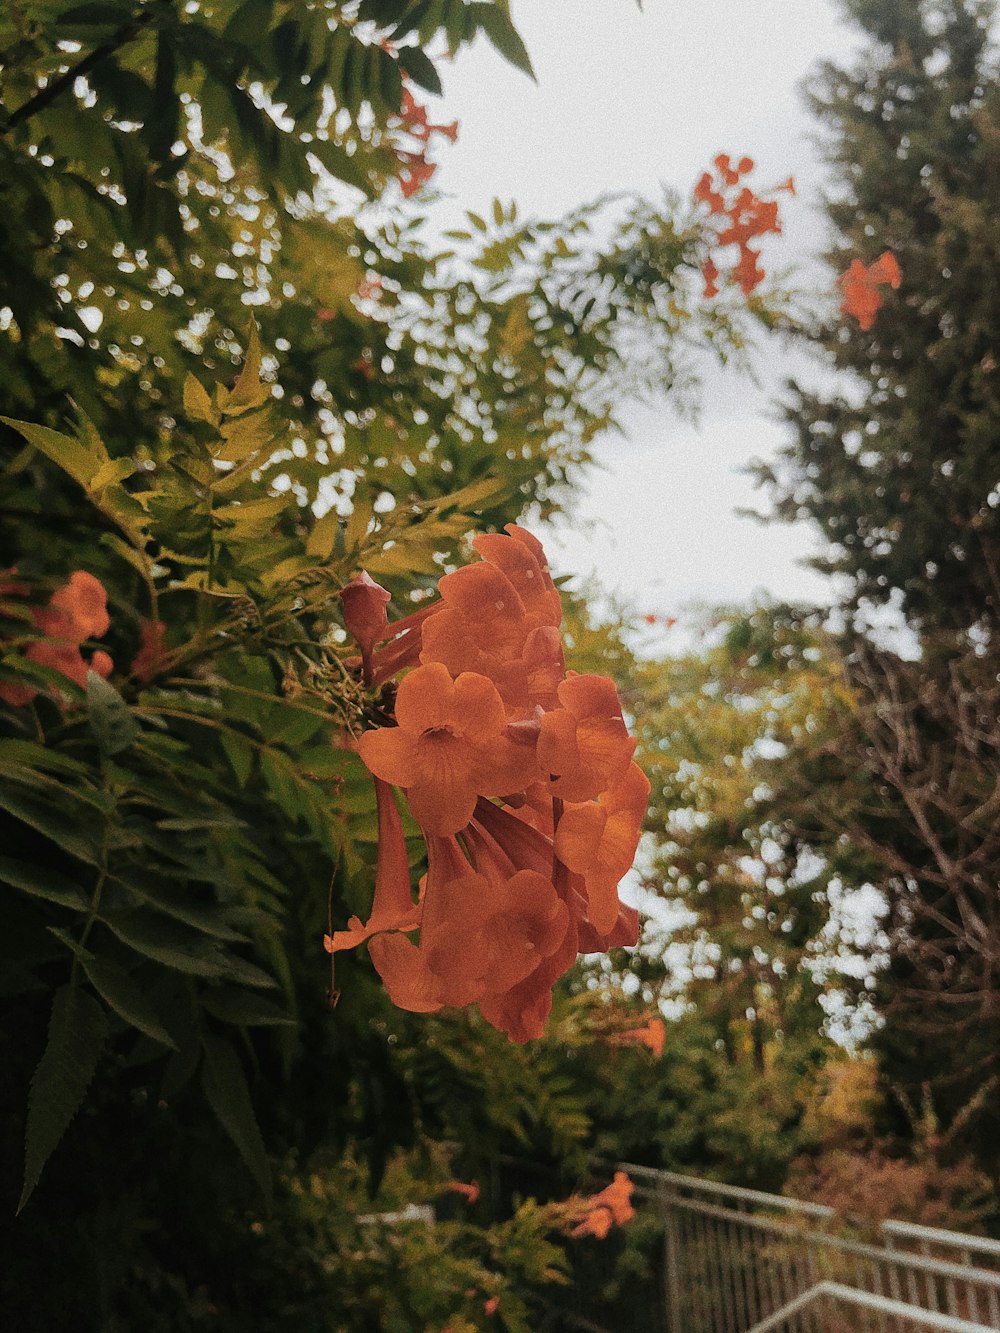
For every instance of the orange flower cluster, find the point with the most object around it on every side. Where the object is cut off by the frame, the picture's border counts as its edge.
(862, 297)
(521, 778)
(416, 170)
(75, 612)
(598, 1213)
(739, 217)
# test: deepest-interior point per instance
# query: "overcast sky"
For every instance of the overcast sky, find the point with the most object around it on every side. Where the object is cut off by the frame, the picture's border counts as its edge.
(630, 100)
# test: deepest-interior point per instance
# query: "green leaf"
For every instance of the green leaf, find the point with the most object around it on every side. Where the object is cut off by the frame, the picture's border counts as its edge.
(227, 1093)
(239, 752)
(76, 1034)
(122, 993)
(112, 722)
(198, 403)
(420, 68)
(65, 452)
(244, 1009)
(71, 835)
(248, 391)
(390, 83)
(164, 942)
(504, 36)
(41, 882)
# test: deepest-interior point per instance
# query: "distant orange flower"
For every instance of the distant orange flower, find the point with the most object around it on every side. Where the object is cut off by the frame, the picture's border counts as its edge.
(862, 297)
(414, 124)
(470, 1191)
(76, 611)
(747, 216)
(84, 604)
(492, 1305)
(599, 1212)
(149, 660)
(653, 1034)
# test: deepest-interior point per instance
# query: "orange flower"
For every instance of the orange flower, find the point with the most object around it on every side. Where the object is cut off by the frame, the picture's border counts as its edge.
(710, 272)
(862, 299)
(450, 746)
(748, 272)
(492, 1305)
(393, 907)
(75, 612)
(413, 122)
(489, 713)
(470, 1191)
(84, 604)
(584, 746)
(598, 1213)
(364, 603)
(748, 215)
(481, 934)
(653, 1035)
(149, 661)
(598, 840)
(597, 1223)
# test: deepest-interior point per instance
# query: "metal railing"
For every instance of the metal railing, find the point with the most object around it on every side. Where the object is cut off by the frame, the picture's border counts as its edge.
(741, 1261)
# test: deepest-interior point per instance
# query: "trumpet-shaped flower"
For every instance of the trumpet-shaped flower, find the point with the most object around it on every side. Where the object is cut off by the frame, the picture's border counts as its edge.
(598, 840)
(584, 745)
(480, 935)
(652, 1034)
(449, 747)
(489, 712)
(393, 907)
(149, 661)
(364, 602)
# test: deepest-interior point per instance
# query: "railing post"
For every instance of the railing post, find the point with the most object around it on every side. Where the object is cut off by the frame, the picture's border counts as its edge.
(671, 1258)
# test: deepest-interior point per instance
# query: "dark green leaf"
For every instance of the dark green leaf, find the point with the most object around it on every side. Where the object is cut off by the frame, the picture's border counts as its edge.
(76, 1034)
(41, 882)
(166, 942)
(421, 69)
(113, 724)
(244, 1008)
(227, 1093)
(122, 993)
(501, 31)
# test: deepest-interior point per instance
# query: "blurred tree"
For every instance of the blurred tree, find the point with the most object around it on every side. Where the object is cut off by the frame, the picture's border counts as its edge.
(897, 465)
(896, 462)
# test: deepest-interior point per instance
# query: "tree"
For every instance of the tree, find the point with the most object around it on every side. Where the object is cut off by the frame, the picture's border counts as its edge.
(181, 819)
(896, 465)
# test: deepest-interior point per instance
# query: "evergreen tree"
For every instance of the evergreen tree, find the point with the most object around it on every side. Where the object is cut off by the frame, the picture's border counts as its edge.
(897, 463)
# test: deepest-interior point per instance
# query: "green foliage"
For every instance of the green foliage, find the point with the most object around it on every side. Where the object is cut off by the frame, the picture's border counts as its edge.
(76, 1035)
(896, 463)
(227, 384)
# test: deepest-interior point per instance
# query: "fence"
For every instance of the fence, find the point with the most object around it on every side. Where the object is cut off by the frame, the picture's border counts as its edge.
(740, 1261)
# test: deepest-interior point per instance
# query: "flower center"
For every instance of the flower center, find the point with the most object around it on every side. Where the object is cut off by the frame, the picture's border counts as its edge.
(439, 733)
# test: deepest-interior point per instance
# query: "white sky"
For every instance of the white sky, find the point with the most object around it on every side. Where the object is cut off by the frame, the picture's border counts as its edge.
(630, 100)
